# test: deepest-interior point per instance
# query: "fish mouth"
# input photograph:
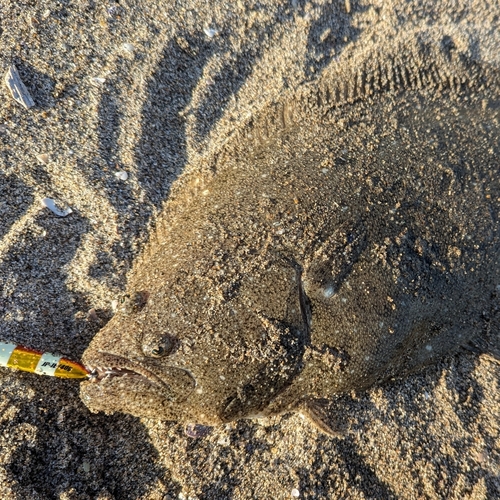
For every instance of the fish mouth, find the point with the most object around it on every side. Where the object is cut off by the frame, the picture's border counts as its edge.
(111, 366)
(100, 373)
(109, 370)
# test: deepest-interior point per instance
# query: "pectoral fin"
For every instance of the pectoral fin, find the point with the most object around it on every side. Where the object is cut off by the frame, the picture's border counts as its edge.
(318, 413)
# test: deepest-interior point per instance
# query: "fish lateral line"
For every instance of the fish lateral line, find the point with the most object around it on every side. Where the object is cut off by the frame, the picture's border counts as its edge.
(43, 363)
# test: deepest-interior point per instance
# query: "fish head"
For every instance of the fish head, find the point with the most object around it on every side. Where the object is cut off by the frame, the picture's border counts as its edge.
(190, 350)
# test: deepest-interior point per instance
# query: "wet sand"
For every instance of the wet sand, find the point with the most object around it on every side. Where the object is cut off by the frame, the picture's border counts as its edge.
(153, 89)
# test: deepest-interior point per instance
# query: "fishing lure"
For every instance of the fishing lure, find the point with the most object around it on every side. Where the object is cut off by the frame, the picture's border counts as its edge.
(43, 363)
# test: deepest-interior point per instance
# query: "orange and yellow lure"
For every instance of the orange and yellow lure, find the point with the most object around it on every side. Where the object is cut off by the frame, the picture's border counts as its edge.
(43, 363)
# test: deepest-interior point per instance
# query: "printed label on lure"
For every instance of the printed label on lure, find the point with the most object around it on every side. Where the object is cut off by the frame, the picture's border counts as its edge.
(47, 364)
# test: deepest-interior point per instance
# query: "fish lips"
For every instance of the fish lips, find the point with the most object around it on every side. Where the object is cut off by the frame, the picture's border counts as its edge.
(119, 384)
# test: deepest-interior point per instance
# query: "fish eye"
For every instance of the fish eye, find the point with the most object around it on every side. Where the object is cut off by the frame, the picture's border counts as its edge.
(133, 303)
(139, 300)
(159, 348)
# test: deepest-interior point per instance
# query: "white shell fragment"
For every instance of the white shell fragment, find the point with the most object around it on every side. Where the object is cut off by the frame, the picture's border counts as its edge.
(122, 175)
(128, 47)
(43, 158)
(210, 32)
(97, 81)
(51, 205)
(17, 88)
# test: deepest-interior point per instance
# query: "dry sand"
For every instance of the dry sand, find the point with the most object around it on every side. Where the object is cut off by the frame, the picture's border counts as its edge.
(149, 88)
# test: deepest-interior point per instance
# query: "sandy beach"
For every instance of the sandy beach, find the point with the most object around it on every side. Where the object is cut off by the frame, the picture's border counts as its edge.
(129, 96)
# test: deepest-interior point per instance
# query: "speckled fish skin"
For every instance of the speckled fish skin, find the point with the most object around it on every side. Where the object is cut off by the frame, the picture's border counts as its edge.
(355, 243)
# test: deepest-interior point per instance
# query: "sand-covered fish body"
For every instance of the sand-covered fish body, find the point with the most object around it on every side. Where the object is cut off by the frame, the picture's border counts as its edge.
(348, 247)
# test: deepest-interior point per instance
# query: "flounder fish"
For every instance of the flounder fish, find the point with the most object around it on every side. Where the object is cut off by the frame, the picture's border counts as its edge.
(347, 235)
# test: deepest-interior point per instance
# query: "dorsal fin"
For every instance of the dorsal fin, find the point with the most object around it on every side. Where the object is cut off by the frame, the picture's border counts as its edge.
(411, 64)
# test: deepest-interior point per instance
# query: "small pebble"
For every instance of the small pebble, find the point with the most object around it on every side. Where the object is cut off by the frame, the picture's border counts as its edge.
(113, 10)
(197, 431)
(483, 457)
(122, 175)
(295, 493)
(92, 316)
(223, 441)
